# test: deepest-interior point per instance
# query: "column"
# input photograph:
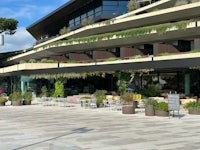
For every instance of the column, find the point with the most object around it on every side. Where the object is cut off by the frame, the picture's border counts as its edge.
(187, 84)
(197, 43)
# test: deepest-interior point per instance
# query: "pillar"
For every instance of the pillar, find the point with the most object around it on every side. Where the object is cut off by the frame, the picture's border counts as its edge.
(187, 84)
(197, 43)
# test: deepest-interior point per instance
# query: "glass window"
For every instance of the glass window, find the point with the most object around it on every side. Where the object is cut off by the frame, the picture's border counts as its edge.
(77, 19)
(124, 3)
(98, 9)
(109, 8)
(83, 16)
(110, 3)
(91, 13)
(110, 12)
(98, 13)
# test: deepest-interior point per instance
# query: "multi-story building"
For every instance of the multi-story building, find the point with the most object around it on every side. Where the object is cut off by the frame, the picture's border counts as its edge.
(159, 35)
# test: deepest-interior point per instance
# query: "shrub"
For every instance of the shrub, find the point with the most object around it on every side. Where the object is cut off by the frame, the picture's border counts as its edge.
(44, 91)
(27, 96)
(128, 98)
(192, 105)
(15, 96)
(100, 95)
(149, 101)
(161, 106)
(152, 90)
(3, 100)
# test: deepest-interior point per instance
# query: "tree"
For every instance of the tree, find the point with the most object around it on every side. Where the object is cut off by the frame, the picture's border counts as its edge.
(8, 25)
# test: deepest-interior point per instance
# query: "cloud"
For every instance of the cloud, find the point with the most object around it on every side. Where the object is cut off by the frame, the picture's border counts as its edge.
(19, 41)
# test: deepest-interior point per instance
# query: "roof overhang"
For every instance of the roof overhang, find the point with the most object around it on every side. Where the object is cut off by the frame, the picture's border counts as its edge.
(58, 15)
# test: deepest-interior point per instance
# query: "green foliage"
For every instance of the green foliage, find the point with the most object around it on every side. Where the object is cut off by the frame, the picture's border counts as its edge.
(111, 59)
(87, 21)
(192, 105)
(8, 25)
(27, 96)
(122, 86)
(15, 96)
(64, 30)
(59, 88)
(135, 57)
(152, 90)
(32, 61)
(128, 98)
(163, 54)
(131, 5)
(161, 106)
(44, 60)
(195, 51)
(3, 100)
(149, 101)
(22, 61)
(44, 91)
(100, 95)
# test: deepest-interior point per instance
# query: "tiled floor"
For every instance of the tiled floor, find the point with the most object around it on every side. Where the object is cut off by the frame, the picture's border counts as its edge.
(75, 128)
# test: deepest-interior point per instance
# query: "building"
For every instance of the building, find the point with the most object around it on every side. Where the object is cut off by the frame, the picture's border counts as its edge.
(159, 35)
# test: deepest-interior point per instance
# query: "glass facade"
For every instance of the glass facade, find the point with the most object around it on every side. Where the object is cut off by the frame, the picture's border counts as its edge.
(115, 7)
(95, 9)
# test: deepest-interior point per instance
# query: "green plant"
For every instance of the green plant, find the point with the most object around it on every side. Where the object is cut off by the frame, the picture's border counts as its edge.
(149, 101)
(152, 90)
(135, 57)
(195, 51)
(100, 95)
(128, 98)
(27, 96)
(161, 106)
(163, 54)
(64, 30)
(15, 96)
(44, 91)
(32, 61)
(111, 59)
(59, 88)
(22, 61)
(3, 100)
(192, 105)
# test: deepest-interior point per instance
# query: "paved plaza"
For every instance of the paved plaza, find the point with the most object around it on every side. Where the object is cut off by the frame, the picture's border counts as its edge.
(74, 128)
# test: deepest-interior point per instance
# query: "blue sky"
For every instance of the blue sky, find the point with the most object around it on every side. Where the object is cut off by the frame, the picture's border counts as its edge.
(26, 12)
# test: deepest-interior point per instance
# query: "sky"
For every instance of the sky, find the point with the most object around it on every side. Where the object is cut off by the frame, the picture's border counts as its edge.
(26, 12)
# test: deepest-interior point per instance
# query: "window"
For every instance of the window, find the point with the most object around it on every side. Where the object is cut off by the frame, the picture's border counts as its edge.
(110, 3)
(83, 16)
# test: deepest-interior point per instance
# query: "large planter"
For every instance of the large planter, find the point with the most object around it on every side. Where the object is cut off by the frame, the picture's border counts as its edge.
(162, 113)
(149, 110)
(100, 105)
(194, 112)
(27, 102)
(16, 103)
(128, 109)
(2, 103)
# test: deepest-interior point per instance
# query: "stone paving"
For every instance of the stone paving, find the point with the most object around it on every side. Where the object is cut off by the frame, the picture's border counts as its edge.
(74, 128)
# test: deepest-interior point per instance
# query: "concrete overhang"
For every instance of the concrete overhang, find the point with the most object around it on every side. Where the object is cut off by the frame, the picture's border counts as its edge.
(172, 62)
(152, 18)
(192, 32)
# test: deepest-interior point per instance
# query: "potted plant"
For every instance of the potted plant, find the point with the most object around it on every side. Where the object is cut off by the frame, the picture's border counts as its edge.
(27, 98)
(193, 107)
(3, 100)
(129, 104)
(15, 98)
(161, 109)
(100, 96)
(149, 106)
